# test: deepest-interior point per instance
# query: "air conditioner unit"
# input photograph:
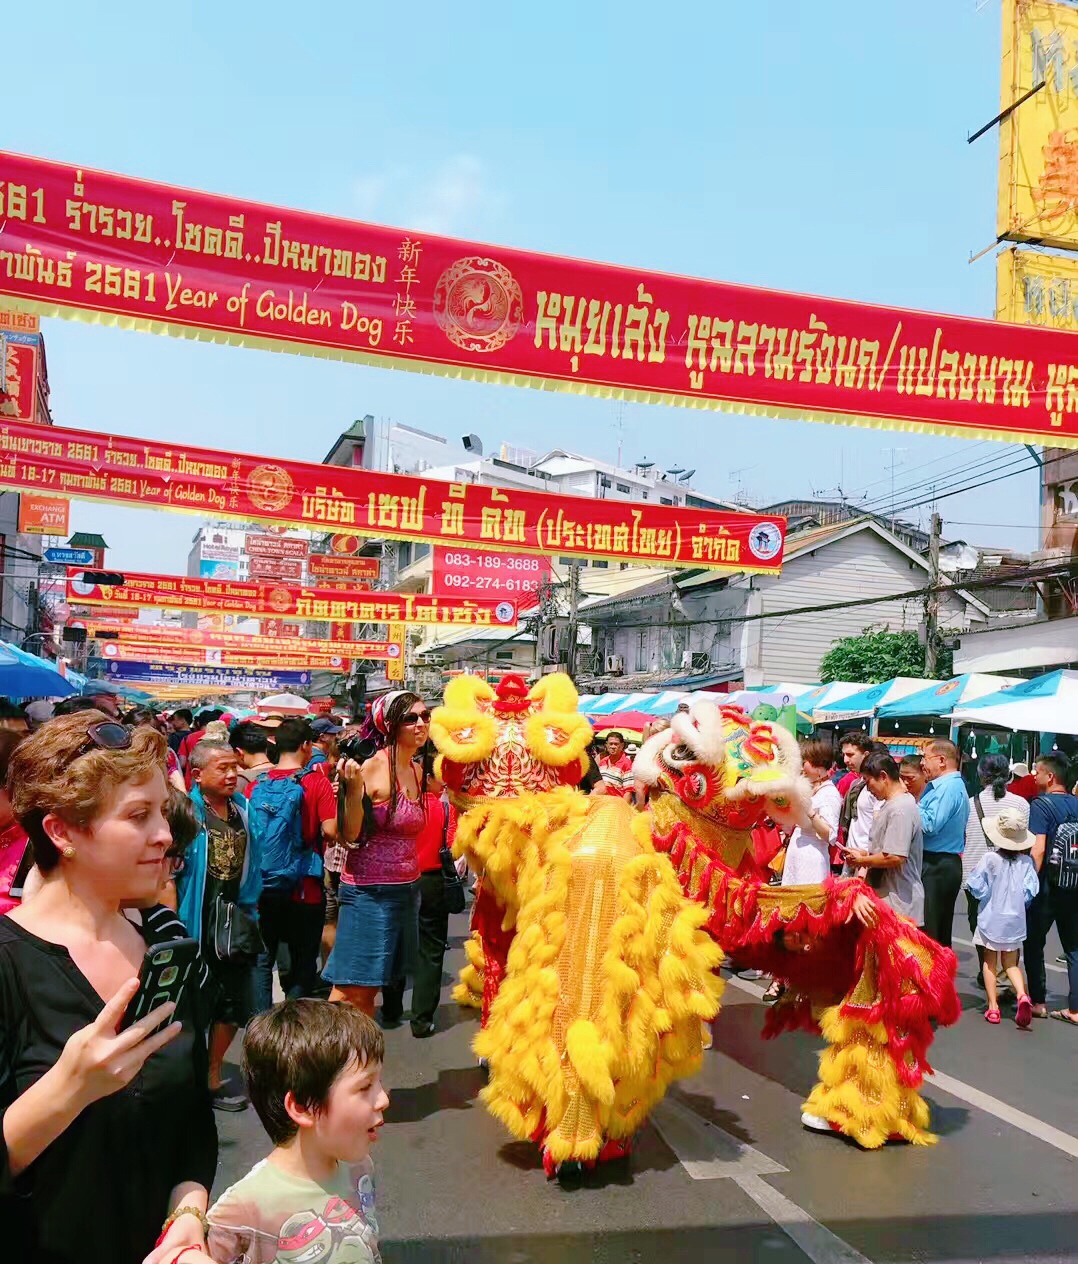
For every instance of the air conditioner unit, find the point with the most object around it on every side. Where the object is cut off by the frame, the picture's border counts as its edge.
(695, 660)
(615, 664)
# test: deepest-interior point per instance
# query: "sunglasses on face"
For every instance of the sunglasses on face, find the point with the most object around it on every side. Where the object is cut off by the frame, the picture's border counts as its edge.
(416, 717)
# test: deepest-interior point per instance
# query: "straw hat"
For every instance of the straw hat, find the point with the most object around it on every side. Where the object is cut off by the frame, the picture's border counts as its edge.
(1009, 831)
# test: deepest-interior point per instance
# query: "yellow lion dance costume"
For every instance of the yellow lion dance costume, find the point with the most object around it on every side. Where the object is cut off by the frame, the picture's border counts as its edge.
(602, 973)
(873, 990)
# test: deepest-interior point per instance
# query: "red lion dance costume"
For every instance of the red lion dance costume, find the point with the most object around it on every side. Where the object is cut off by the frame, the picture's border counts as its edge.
(873, 992)
(594, 971)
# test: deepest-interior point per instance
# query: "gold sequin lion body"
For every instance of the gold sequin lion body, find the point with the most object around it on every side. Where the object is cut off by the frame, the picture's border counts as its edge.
(873, 991)
(594, 972)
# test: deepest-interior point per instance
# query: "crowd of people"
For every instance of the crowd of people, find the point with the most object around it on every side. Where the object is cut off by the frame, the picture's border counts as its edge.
(122, 833)
(288, 847)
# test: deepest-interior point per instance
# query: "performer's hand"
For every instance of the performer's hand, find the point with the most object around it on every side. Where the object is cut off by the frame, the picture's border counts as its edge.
(864, 909)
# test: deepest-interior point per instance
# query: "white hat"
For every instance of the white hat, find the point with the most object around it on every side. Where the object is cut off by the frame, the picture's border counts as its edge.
(1009, 830)
(1019, 770)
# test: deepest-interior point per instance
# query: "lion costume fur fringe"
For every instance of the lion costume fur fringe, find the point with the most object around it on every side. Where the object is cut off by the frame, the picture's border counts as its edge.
(610, 975)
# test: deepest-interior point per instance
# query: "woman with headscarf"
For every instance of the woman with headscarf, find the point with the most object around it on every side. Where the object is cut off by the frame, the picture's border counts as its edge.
(379, 891)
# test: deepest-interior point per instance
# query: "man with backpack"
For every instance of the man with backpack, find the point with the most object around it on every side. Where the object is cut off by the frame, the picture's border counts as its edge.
(1053, 820)
(293, 810)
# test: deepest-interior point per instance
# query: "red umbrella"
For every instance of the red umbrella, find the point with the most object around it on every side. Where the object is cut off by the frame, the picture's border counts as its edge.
(632, 720)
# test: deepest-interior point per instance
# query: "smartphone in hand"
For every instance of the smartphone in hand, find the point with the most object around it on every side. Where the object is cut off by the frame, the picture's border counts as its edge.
(163, 977)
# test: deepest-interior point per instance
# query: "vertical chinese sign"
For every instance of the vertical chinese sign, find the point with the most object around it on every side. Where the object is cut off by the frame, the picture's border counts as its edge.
(395, 663)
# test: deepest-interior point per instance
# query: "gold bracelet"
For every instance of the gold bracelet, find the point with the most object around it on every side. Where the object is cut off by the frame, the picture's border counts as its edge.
(186, 1211)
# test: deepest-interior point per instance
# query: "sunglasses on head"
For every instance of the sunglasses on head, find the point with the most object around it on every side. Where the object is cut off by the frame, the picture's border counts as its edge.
(106, 735)
(416, 717)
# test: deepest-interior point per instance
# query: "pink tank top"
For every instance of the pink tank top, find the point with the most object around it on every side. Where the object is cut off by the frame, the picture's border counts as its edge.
(389, 854)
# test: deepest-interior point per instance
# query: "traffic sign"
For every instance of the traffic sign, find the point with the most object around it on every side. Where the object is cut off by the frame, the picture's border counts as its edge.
(70, 557)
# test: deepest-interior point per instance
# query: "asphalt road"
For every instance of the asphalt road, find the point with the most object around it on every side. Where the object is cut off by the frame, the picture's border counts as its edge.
(724, 1170)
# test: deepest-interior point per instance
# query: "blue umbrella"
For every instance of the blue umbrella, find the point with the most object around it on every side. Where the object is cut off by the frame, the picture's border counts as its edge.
(24, 675)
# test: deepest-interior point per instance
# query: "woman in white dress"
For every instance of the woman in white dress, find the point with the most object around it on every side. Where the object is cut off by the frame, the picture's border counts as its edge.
(807, 856)
(994, 772)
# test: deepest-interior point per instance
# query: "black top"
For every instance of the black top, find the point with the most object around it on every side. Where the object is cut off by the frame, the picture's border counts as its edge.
(99, 1193)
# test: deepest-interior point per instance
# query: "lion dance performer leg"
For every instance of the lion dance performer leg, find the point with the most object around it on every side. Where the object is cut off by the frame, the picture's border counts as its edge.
(866, 978)
(597, 975)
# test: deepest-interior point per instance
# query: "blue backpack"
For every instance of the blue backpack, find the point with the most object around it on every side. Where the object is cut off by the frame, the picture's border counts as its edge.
(275, 822)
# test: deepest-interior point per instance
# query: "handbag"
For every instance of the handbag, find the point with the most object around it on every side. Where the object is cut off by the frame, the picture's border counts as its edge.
(454, 888)
(235, 934)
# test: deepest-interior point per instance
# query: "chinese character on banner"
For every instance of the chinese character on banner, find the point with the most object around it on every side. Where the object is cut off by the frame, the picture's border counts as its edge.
(395, 663)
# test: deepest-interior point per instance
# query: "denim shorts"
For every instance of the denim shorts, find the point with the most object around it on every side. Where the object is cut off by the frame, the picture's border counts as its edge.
(377, 932)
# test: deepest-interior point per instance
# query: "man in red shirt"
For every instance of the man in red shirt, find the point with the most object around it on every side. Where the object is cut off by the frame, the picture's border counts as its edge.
(191, 740)
(616, 766)
(295, 919)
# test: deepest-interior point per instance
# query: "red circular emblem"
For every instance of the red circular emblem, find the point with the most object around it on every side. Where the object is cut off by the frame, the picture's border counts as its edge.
(478, 304)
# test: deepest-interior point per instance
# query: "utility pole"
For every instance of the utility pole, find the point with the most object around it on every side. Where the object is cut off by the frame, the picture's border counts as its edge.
(570, 631)
(932, 603)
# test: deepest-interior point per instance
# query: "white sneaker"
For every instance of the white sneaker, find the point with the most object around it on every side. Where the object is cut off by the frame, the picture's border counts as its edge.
(816, 1123)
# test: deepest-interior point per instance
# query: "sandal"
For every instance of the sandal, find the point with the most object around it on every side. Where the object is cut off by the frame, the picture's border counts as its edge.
(774, 992)
(1062, 1016)
(991, 1016)
(1040, 1010)
(1024, 1016)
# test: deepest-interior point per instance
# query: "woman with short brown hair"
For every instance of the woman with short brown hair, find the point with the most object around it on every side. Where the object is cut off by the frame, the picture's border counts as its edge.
(107, 1140)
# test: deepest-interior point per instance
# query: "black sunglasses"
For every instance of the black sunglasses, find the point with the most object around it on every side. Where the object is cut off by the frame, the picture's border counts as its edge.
(415, 717)
(107, 735)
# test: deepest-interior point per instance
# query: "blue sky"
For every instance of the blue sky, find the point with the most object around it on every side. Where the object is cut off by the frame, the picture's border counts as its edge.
(818, 148)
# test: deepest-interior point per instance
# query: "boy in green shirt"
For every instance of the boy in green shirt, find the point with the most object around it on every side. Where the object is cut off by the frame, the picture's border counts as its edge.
(314, 1076)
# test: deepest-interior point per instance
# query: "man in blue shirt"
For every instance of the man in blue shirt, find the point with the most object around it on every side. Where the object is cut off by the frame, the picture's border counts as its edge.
(944, 812)
(1051, 809)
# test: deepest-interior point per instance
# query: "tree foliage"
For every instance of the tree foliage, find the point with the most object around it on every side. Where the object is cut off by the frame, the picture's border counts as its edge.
(874, 657)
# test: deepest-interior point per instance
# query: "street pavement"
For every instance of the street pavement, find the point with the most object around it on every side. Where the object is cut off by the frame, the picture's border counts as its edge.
(724, 1169)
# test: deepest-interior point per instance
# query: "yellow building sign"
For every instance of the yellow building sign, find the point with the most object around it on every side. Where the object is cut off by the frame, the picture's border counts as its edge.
(1037, 289)
(1038, 169)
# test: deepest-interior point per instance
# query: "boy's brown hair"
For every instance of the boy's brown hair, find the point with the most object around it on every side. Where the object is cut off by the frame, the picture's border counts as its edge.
(300, 1047)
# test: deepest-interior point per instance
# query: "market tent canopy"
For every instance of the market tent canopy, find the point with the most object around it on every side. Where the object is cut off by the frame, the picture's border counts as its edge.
(854, 706)
(25, 675)
(942, 699)
(1046, 704)
(809, 702)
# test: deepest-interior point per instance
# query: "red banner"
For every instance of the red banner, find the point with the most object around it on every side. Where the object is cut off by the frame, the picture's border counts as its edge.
(19, 371)
(126, 471)
(478, 572)
(279, 628)
(178, 592)
(294, 646)
(165, 259)
(192, 656)
(276, 546)
(333, 566)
